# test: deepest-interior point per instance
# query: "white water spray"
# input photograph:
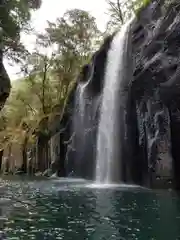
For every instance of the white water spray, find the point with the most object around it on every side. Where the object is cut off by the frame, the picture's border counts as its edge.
(108, 163)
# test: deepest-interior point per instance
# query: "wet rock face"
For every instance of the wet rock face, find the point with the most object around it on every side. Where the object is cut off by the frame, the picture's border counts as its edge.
(4, 84)
(151, 144)
(155, 91)
(81, 150)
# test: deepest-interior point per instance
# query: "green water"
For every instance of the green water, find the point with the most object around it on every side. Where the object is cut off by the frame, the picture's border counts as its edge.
(59, 209)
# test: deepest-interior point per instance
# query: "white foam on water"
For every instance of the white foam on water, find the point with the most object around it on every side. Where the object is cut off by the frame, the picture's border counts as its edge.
(111, 185)
(68, 180)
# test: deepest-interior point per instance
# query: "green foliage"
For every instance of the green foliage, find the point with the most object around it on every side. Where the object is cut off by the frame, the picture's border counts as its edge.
(74, 33)
(49, 78)
(15, 15)
(122, 10)
(140, 5)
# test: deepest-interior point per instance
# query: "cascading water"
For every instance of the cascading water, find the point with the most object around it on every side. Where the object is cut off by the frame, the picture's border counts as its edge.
(81, 149)
(81, 99)
(108, 162)
(79, 126)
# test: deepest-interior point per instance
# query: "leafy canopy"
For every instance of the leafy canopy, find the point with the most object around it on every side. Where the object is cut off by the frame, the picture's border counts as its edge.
(15, 15)
(122, 10)
(49, 78)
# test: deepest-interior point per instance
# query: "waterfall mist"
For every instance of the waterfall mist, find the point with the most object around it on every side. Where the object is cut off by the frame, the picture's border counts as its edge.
(108, 157)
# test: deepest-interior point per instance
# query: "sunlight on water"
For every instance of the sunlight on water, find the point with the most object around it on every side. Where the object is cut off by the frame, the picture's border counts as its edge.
(79, 209)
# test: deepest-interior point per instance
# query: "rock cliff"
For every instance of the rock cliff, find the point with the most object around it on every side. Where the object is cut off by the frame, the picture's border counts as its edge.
(150, 146)
(4, 84)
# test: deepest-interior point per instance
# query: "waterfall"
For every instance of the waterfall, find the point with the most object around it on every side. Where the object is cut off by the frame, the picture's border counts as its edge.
(108, 159)
(81, 99)
(79, 125)
(81, 149)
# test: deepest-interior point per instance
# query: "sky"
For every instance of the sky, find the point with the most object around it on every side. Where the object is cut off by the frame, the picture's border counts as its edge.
(52, 9)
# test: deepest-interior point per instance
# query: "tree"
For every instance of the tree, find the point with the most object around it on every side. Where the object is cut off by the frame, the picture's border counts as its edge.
(75, 37)
(15, 15)
(41, 96)
(38, 80)
(19, 118)
(75, 33)
(122, 10)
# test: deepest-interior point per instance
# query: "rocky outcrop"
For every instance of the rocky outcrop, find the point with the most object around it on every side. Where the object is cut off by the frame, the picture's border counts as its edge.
(55, 153)
(4, 83)
(152, 133)
(47, 156)
(154, 93)
(150, 143)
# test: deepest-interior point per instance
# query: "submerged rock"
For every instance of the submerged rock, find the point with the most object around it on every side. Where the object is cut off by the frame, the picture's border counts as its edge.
(47, 173)
(38, 174)
(19, 172)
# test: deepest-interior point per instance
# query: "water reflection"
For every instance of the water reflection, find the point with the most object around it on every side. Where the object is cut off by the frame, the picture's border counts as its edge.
(73, 210)
(104, 225)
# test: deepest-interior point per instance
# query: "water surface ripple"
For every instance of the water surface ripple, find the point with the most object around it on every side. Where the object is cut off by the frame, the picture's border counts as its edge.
(66, 209)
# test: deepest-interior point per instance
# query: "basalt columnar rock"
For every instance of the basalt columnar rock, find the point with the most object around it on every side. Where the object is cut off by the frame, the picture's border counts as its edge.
(154, 94)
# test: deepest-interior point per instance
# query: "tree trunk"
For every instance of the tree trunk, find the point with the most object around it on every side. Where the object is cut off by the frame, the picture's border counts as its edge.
(1, 156)
(43, 87)
(24, 155)
(7, 161)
